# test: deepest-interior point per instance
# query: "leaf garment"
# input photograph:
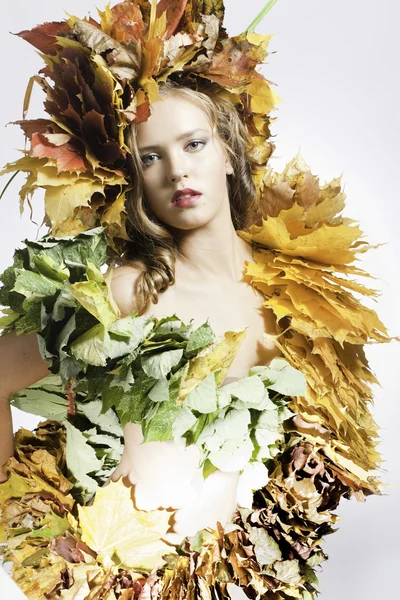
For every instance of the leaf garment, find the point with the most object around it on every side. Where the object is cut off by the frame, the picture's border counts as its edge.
(53, 507)
(300, 448)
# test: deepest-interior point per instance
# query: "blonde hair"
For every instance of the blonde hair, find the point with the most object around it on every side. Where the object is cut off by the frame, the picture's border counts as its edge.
(154, 249)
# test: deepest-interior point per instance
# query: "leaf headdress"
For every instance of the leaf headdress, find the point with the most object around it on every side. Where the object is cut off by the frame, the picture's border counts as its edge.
(102, 76)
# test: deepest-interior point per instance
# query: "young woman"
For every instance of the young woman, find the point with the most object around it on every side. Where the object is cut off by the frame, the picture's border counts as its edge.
(193, 191)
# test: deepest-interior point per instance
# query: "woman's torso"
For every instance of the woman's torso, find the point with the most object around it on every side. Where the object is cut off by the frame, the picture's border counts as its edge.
(177, 479)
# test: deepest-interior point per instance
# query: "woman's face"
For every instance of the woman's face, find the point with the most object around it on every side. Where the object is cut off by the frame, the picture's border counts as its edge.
(179, 151)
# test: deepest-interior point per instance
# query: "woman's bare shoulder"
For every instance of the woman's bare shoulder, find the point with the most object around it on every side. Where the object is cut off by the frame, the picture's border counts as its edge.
(124, 287)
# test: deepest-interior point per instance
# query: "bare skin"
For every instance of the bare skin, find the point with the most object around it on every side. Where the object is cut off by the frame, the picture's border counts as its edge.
(210, 284)
(163, 474)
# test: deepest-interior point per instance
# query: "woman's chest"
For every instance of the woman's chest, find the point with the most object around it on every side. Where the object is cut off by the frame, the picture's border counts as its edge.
(232, 308)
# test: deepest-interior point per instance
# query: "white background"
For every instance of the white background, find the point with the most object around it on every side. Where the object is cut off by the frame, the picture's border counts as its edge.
(336, 68)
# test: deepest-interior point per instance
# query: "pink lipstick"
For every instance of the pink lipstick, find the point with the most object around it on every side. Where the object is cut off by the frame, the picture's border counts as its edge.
(185, 197)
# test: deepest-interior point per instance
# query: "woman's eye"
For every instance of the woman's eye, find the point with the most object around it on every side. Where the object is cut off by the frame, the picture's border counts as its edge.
(147, 160)
(196, 144)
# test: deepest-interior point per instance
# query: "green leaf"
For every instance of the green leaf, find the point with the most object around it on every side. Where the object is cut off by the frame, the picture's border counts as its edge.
(160, 427)
(288, 571)
(31, 321)
(227, 440)
(249, 390)
(309, 575)
(37, 400)
(28, 283)
(73, 251)
(266, 549)
(55, 525)
(232, 455)
(203, 398)
(81, 459)
(160, 391)
(91, 347)
(131, 327)
(8, 278)
(132, 405)
(94, 298)
(9, 316)
(208, 468)
(266, 438)
(64, 301)
(281, 377)
(316, 559)
(159, 365)
(203, 336)
(184, 421)
(48, 267)
(93, 273)
(232, 426)
(114, 448)
(268, 419)
(172, 328)
(107, 422)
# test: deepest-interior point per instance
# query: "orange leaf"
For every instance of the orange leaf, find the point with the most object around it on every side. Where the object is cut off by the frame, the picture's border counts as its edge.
(233, 66)
(66, 158)
(127, 22)
(175, 10)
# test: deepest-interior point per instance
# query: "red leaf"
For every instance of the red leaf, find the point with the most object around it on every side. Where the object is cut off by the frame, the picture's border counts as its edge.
(68, 548)
(42, 37)
(66, 157)
(143, 112)
(127, 22)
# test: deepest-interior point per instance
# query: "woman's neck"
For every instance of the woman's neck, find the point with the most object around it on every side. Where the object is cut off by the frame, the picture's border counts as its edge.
(211, 254)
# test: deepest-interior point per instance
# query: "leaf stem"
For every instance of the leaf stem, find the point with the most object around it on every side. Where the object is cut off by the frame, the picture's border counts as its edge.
(270, 4)
(152, 19)
(7, 184)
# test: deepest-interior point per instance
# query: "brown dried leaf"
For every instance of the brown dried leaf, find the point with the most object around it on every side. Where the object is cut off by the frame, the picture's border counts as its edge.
(207, 7)
(275, 199)
(124, 22)
(235, 64)
(174, 10)
(124, 60)
(43, 37)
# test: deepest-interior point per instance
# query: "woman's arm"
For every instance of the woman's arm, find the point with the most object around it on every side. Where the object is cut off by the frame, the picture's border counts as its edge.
(20, 365)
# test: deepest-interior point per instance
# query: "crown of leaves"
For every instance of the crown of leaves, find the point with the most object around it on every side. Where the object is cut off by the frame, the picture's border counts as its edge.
(102, 76)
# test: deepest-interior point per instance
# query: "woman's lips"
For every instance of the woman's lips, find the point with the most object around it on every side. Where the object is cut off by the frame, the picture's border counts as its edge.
(186, 200)
(185, 197)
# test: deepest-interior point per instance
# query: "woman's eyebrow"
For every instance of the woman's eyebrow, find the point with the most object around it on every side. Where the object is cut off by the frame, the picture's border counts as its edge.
(179, 138)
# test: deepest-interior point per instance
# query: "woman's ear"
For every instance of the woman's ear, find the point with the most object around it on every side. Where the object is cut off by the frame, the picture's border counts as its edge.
(228, 167)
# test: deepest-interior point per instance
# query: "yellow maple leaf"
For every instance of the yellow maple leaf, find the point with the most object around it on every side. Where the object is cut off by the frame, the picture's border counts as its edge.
(263, 98)
(114, 218)
(259, 39)
(302, 259)
(61, 201)
(35, 583)
(23, 480)
(219, 355)
(119, 533)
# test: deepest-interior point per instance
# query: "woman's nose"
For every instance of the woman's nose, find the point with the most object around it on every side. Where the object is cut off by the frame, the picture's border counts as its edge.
(177, 168)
